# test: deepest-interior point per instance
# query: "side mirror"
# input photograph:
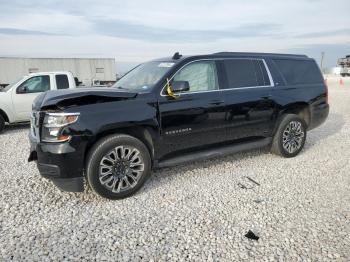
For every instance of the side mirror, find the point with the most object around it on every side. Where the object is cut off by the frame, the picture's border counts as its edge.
(22, 90)
(180, 86)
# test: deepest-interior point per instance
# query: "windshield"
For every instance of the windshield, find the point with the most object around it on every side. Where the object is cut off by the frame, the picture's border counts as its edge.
(143, 77)
(11, 85)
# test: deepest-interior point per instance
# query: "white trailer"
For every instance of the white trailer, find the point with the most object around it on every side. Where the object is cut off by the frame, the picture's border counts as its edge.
(89, 71)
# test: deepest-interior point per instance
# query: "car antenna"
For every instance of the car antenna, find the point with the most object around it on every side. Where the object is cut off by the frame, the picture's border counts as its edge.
(177, 56)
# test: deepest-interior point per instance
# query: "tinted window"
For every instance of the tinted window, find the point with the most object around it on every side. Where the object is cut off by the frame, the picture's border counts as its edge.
(240, 73)
(62, 82)
(299, 71)
(36, 84)
(201, 76)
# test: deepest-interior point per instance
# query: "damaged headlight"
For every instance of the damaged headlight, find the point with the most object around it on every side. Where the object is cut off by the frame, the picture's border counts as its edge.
(53, 125)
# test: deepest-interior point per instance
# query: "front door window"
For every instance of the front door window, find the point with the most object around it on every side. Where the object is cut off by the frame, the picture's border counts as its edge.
(35, 84)
(201, 76)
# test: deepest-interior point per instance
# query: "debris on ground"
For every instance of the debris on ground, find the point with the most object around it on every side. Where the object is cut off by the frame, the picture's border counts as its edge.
(251, 235)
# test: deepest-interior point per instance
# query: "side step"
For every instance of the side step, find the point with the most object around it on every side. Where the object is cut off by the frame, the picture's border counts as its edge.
(214, 152)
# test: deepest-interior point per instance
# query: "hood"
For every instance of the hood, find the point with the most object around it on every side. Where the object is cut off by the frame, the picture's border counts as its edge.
(61, 99)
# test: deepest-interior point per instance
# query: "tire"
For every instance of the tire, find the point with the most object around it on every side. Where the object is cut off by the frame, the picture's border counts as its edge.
(117, 166)
(2, 124)
(296, 136)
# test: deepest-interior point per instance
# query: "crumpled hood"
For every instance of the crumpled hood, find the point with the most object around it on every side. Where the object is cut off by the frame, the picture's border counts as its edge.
(79, 96)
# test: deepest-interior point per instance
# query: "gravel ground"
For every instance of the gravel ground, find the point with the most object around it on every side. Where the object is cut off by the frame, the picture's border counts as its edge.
(198, 212)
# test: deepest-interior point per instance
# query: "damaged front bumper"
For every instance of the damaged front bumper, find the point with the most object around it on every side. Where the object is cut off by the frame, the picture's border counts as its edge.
(62, 163)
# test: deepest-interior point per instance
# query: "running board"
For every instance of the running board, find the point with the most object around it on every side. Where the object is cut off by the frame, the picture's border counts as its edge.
(213, 152)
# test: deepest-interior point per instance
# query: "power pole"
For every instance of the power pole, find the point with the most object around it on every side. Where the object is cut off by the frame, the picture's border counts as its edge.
(322, 57)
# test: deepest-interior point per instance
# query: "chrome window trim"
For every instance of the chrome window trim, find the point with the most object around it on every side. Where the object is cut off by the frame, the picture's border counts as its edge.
(272, 84)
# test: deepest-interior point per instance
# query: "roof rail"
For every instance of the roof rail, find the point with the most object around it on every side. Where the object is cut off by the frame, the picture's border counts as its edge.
(258, 54)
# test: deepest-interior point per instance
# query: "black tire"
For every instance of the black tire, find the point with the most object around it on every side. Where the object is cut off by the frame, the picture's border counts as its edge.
(2, 124)
(279, 147)
(100, 157)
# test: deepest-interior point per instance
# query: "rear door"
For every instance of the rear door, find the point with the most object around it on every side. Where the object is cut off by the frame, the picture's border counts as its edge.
(196, 117)
(247, 89)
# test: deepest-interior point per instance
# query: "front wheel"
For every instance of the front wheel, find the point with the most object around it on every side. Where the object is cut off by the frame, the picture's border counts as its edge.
(290, 136)
(117, 166)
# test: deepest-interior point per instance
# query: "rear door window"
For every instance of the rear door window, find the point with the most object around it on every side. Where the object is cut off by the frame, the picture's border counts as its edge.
(245, 73)
(62, 82)
(299, 71)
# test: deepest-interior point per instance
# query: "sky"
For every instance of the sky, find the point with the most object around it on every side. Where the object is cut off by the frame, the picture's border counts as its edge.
(137, 31)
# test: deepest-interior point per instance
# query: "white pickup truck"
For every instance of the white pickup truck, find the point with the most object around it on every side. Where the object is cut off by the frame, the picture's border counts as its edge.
(16, 99)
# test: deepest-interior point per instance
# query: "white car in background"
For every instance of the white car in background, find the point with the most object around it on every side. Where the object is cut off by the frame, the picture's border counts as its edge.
(16, 99)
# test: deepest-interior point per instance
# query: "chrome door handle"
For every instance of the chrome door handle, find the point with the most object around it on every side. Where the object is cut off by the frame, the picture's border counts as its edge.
(216, 102)
(266, 97)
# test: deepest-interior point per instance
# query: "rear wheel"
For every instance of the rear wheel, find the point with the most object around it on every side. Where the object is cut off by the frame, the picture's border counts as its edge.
(2, 124)
(118, 166)
(290, 136)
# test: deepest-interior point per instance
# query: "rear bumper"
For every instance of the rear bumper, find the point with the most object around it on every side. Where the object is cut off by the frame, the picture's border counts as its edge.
(319, 115)
(63, 163)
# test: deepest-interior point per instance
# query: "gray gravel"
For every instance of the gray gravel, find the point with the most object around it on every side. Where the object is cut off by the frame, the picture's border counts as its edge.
(197, 212)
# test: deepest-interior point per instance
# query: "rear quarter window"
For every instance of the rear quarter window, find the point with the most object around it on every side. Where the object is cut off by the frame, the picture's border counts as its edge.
(62, 82)
(299, 71)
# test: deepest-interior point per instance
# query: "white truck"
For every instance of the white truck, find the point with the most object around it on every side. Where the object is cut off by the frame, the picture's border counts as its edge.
(344, 64)
(16, 99)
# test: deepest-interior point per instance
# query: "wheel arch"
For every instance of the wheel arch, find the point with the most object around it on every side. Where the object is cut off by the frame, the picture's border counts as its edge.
(143, 133)
(302, 109)
(4, 116)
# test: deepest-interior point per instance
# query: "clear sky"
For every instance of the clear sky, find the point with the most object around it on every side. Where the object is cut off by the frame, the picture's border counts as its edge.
(135, 31)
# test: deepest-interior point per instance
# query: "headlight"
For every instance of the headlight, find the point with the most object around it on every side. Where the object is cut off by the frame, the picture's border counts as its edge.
(53, 125)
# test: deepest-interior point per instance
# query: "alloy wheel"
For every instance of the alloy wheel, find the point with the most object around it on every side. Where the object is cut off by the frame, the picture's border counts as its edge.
(293, 136)
(121, 168)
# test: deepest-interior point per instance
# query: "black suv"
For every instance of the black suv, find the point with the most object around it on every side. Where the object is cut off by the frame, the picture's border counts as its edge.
(173, 110)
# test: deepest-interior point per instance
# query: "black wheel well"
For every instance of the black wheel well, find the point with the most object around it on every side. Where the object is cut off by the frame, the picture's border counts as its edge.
(4, 116)
(140, 132)
(300, 109)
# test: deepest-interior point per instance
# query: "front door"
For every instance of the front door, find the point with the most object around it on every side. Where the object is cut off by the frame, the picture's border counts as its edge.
(196, 118)
(24, 95)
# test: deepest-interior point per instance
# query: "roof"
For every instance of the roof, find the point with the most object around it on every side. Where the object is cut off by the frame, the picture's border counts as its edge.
(256, 54)
(50, 72)
(231, 54)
